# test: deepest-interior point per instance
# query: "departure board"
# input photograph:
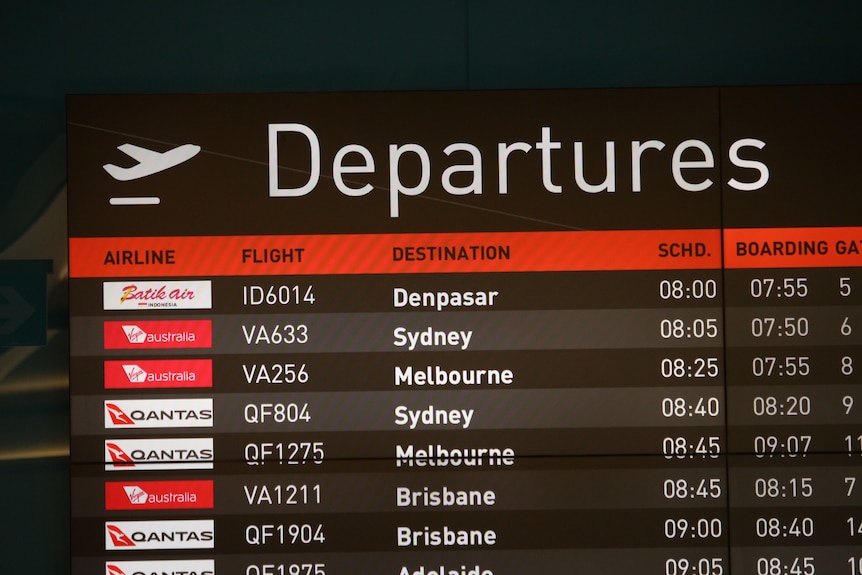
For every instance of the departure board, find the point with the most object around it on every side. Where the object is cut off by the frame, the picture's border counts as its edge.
(467, 333)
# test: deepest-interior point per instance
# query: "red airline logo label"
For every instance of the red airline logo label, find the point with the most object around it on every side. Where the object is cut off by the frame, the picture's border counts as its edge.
(158, 334)
(138, 495)
(159, 373)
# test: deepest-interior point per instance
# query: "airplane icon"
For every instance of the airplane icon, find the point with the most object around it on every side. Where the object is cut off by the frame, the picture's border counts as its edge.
(150, 162)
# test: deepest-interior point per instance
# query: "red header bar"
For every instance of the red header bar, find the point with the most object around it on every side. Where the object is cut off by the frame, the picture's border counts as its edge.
(793, 247)
(394, 253)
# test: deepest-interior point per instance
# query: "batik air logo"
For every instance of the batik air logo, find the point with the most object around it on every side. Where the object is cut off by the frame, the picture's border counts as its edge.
(152, 413)
(159, 334)
(140, 495)
(173, 567)
(142, 295)
(158, 454)
(149, 535)
(158, 373)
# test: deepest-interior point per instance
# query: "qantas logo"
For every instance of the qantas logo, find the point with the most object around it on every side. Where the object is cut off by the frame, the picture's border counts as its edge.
(117, 416)
(157, 295)
(158, 374)
(172, 567)
(154, 413)
(148, 535)
(117, 537)
(158, 334)
(158, 454)
(180, 494)
(119, 458)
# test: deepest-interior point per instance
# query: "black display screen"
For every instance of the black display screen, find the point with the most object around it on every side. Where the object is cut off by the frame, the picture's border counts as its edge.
(467, 333)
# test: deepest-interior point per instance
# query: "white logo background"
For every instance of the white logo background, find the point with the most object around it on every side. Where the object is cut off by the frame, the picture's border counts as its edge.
(172, 295)
(196, 531)
(198, 566)
(147, 446)
(182, 412)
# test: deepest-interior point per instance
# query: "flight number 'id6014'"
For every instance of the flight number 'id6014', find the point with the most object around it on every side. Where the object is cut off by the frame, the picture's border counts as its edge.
(277, 295)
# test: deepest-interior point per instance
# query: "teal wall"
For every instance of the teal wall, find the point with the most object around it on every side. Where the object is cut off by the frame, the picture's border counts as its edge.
(51, 48)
